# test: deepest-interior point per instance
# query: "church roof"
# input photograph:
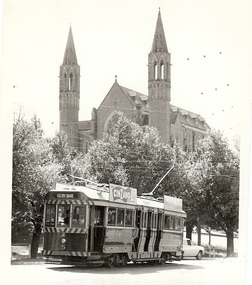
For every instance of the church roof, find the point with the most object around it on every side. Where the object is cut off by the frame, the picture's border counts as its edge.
(137, 98)
(159, 41)
(70, 54)
(187, 118)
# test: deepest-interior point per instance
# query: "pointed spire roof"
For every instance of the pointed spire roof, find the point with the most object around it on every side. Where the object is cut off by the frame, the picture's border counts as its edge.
(70, 55)
(159, 41)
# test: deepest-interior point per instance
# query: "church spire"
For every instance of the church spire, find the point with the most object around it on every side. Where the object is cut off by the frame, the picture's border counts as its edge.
(69, 93)
(159, 41)
(70, 54)
(159, 84)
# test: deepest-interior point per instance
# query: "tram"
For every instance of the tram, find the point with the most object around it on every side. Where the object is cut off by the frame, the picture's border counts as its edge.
(108, 224)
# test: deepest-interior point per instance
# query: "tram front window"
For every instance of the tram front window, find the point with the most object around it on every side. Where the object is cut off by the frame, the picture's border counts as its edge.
(79, 216)
(50, 215)
(63, 215)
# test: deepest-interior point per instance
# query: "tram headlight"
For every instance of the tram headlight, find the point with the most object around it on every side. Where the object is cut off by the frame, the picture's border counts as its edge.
(63, 241)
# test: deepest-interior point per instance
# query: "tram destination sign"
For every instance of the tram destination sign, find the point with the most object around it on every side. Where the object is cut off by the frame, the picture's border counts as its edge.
(172, 203)
(63, 195)
(122, 194)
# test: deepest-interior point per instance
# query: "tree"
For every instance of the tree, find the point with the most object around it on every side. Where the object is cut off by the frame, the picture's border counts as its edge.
(214, 179)
(63, 155)
(34, 173)
(129, 155)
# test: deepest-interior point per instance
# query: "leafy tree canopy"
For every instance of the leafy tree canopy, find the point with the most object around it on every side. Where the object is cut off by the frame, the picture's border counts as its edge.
(129, 155)
(34, 172)
(213, 172)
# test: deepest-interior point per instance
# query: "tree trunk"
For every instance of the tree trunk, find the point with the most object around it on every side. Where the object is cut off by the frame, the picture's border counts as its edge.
(189, 229)
(230, 243)
(199, 231)
(35, 241)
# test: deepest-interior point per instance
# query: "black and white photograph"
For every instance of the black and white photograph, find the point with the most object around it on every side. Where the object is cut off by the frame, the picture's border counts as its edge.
(126, 142)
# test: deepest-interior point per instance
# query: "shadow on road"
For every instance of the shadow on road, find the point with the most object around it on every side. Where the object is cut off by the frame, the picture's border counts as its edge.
(131, 268)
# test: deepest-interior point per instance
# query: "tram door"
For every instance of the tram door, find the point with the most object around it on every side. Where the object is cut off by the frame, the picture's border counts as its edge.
(142, 217)
(149, 233)
(153, 233)
(96, 228)
(137, 225)
(159, 231)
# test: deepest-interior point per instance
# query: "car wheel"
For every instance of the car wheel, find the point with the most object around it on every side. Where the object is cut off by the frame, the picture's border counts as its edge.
(199, 255)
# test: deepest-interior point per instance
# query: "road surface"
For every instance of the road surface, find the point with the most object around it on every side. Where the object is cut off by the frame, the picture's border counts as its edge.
(216, 271)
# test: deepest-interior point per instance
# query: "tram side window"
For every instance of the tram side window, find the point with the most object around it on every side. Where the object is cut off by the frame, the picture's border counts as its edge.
(128, 218)
(171, 225)
(50, 215)
(79, 216)
(63, 215)
(177, 224)
(111, 216)
(167, 222)
(120, 217)
(174, 223)
(181, 223)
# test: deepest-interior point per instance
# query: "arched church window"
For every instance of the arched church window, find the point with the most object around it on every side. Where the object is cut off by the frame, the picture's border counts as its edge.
(193, 141)
(155, 70)
(162, 70)
(70, 82)
(172, 141)
(185, 144)
(110, 123)
(65, 81)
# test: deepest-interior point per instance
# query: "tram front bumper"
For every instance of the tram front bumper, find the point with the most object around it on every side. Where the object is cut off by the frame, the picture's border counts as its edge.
(63, 253)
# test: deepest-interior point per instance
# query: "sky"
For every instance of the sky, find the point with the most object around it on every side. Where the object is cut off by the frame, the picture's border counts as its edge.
(209, 41)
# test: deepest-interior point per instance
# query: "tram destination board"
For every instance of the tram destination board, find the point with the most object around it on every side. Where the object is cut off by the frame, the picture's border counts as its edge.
(64, 195)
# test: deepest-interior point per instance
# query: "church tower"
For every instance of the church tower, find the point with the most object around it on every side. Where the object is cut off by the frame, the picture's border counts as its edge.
(69, 93)
(159, 84)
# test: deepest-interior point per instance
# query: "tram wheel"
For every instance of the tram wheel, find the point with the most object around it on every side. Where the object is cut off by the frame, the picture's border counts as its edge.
(110, 262)
(169, 258)
(181, 257)
(162, 261)
(124, 260)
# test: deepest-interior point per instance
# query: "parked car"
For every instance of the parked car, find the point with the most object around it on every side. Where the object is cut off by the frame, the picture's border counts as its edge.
(190, 250)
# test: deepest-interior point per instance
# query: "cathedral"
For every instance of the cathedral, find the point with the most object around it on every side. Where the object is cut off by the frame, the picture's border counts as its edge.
(174, 124)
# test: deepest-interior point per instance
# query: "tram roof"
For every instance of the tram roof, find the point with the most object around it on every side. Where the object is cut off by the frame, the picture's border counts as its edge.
(102, 192)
